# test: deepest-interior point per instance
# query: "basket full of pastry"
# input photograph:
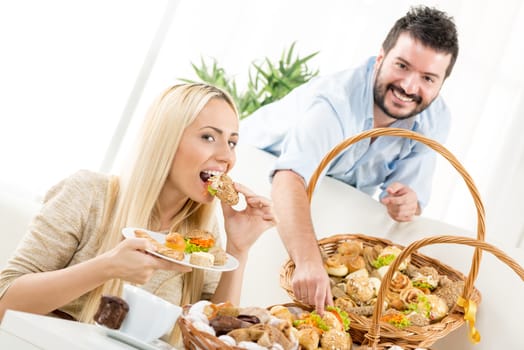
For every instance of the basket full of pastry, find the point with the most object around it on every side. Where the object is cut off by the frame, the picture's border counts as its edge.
(205, 325)
(374, 338)
(421, 301)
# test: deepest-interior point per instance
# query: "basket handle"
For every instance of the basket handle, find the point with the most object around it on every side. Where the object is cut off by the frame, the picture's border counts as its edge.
(481, 226)
(373, 334)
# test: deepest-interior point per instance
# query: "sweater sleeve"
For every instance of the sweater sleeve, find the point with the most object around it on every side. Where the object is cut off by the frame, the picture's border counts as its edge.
(56, 233)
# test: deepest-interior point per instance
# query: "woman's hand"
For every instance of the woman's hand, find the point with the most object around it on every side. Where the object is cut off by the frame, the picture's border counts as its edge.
(245, 226)
(130, 261)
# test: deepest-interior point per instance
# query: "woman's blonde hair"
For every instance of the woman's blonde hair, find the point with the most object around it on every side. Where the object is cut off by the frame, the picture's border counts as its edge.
(132, 199)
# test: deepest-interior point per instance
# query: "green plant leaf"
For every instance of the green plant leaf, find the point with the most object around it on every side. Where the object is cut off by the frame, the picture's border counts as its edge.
(267, 82)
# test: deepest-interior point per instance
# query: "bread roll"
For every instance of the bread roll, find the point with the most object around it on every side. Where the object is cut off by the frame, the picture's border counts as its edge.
(335, 339)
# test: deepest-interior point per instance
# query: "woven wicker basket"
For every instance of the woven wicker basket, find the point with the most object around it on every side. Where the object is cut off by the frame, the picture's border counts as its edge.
(195, 339)
(375, 338)
(413, 336)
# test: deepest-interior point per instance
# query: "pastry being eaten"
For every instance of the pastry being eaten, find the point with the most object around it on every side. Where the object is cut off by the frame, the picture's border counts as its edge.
(223, 188)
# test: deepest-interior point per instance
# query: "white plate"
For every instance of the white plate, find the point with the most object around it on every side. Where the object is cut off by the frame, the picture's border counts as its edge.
(126, 338)
(231, 262)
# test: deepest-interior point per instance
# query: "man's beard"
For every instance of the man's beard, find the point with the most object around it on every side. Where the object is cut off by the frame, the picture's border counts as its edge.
(379, 97)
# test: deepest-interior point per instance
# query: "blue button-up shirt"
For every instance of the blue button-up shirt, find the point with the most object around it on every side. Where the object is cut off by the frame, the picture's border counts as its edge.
(305, 125)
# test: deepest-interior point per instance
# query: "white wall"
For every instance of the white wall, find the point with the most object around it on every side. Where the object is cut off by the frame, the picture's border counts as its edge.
(68, 68)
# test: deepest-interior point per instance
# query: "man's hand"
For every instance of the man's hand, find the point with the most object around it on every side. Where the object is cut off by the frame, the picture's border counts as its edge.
(401, 202)
(311, 285)
(310, 281)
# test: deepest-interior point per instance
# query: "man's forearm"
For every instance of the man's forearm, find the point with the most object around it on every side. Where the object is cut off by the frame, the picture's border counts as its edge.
(293, 210)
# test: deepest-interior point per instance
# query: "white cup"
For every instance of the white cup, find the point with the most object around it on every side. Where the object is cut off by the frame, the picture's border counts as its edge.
(149, 316)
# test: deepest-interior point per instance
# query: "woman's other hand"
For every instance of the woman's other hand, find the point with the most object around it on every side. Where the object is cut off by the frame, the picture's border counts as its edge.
(244, 227)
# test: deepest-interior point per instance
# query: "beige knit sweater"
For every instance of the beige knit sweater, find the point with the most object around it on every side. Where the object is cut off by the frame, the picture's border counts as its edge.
(63, 234)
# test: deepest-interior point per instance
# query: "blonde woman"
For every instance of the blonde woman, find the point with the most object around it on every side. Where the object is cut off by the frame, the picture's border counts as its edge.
(74, 250)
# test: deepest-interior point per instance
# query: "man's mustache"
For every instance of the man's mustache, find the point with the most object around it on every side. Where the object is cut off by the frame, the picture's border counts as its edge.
(414, 97)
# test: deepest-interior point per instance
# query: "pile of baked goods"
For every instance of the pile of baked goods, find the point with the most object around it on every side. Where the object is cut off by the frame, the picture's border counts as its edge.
(279, 327)
(198, 244)
(418, 296)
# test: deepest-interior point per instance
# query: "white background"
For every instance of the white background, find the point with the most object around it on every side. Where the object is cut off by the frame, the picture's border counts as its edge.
(71, 70)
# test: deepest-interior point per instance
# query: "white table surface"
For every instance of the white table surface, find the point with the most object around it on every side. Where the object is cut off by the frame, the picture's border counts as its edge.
(25, 331)
(42, 332)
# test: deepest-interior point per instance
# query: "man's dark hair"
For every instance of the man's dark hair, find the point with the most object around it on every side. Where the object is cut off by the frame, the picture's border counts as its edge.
(433, 28)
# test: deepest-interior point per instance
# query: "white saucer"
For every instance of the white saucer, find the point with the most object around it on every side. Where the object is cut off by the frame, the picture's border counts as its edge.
(230, 265)
(156, 344)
